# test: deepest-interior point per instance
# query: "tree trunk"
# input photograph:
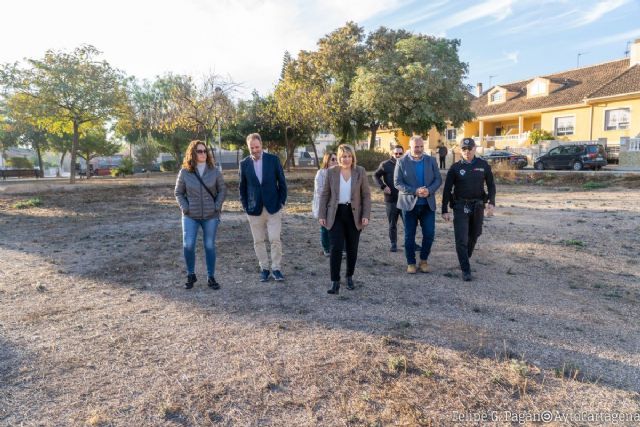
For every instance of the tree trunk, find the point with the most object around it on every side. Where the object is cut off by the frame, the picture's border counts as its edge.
(59, 174)
(315, 153)
(373, 127)
(74, 152)
(287, 164)
(87, 167)
(37, 146)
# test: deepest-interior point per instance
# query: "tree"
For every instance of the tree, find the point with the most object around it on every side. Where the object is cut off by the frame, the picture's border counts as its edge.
(428, 89)
(93, 143)
(75, 88)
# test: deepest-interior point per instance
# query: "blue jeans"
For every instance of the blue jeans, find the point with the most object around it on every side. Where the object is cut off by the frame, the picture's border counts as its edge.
(427, 218)
(189, 235)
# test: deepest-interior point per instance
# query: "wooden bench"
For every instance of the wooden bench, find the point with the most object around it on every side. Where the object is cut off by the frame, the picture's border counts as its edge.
(20, 173)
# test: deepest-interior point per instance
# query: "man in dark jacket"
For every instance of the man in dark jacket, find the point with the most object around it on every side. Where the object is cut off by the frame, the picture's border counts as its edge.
(384, 178)
(442, 153)
(263, 193)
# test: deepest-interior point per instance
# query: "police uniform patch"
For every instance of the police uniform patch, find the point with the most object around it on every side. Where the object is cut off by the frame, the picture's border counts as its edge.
(462, 172)
(479, 169)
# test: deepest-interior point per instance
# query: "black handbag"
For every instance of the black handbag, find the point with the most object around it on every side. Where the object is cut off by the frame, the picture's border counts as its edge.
(205, 187)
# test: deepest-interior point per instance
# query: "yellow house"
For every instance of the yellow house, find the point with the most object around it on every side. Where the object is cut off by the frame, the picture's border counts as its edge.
(387, 138)
(598, 102)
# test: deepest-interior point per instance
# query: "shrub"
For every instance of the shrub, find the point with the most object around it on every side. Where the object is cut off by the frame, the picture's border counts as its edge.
(370, 160)
(168, 166)
(537, 135)
(19, 163)
(126, 168)
(33, 202)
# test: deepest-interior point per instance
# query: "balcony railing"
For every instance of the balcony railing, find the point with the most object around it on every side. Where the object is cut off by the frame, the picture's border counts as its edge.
(634, 144)
(517, 138)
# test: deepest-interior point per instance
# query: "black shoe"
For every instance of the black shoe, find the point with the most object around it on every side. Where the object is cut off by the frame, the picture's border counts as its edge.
(191, 279)
(335, 288)
(394, 248)
(212, 283)
(466, 276)
(264, 275)
(350, 283)
(277, 275)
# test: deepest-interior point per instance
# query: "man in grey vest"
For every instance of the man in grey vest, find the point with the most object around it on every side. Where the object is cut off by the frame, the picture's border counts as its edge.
(417, 178)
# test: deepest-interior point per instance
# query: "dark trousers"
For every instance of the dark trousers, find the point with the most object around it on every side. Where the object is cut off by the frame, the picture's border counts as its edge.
(427, 218)
(442, 163)
(467, 227)
(343, 233)
(393, 213)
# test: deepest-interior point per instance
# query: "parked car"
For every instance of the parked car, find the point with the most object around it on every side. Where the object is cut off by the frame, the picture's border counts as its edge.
(305, 159)
(573, 156)
(506, 159)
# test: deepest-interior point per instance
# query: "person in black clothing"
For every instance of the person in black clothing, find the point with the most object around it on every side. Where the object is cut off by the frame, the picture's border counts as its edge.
(384, 178)
(464, 190)
(442, 153)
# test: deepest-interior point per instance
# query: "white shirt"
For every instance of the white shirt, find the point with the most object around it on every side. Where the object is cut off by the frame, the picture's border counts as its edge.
(202, 167)
(257, 165)
(345, 190)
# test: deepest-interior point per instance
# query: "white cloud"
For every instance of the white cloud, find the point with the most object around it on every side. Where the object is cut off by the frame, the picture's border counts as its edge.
(512, 56)
(497, 10)
(615, 38)
(596, 12)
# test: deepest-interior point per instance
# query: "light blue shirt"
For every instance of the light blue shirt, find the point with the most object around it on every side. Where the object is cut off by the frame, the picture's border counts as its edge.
(257, 165)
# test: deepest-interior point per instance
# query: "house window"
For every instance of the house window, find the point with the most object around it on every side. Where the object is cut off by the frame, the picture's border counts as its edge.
(617, 119)
(565, 125)
(496, 96)
(451, 134)
(537, 88)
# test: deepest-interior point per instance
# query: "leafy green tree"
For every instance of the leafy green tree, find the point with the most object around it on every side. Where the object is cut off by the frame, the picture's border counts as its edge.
(537, 135)
(73, 88)
(94, 143)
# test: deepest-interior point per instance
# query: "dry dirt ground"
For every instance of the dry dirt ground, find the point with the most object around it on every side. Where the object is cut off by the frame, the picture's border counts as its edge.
(96, 329)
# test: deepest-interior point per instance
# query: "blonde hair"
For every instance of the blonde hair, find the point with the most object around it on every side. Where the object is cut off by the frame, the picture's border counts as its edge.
(253, 136)
(346, 148)
(190, 161)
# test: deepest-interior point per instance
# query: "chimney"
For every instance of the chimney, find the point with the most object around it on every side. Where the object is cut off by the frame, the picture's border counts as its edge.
(634, 57)
(479, 89)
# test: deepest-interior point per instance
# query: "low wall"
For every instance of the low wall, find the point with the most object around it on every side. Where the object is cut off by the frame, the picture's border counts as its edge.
(629, 158)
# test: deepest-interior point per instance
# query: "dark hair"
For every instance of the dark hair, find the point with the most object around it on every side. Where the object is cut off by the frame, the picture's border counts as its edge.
(325, 159)
(398, 146)
(191, 157)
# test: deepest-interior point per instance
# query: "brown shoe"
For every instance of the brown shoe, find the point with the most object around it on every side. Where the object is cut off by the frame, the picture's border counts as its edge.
(424, 266)
(411, 269)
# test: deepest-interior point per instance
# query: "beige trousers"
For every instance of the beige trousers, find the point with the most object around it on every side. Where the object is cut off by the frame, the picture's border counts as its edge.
(263, 226)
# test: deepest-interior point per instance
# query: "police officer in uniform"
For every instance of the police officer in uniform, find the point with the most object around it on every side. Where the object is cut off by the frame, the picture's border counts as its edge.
(464, 191)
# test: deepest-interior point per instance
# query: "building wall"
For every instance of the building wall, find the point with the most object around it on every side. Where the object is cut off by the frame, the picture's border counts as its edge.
(391, 137)
(581, 124)
(632, 131)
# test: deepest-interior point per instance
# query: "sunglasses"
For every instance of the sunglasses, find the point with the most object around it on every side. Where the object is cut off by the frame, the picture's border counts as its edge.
(397, 154)
(201, 151)
(333, 159)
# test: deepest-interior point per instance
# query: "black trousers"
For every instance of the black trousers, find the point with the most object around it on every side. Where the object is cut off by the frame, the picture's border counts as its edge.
(393, 213)
(442, 162)
(343, 233)
(467, 227)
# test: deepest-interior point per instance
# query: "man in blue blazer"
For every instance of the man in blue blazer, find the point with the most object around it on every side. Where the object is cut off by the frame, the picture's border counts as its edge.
(417, 178)
(263, 193)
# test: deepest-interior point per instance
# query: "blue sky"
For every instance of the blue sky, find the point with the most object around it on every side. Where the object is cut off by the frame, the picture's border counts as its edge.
(245, 39)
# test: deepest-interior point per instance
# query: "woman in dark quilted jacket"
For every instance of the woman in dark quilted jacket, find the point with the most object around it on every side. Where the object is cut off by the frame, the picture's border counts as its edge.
(200, 192)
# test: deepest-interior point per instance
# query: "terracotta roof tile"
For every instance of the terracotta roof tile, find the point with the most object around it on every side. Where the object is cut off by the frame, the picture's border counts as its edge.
(577, 84)
(627, 82)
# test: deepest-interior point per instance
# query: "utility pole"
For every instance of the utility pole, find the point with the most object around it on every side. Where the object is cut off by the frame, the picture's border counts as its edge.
(578, 58)
(491, 78)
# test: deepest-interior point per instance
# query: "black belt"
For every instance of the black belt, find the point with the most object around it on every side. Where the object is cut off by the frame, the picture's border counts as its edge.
(344, 204)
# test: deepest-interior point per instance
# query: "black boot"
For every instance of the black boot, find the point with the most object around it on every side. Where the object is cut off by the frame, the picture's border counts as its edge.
(335, 288)
(212, 283)
(350, 283)
(191, 279)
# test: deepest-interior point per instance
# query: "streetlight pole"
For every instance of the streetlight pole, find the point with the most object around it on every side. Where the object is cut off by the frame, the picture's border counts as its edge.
(218, 91)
